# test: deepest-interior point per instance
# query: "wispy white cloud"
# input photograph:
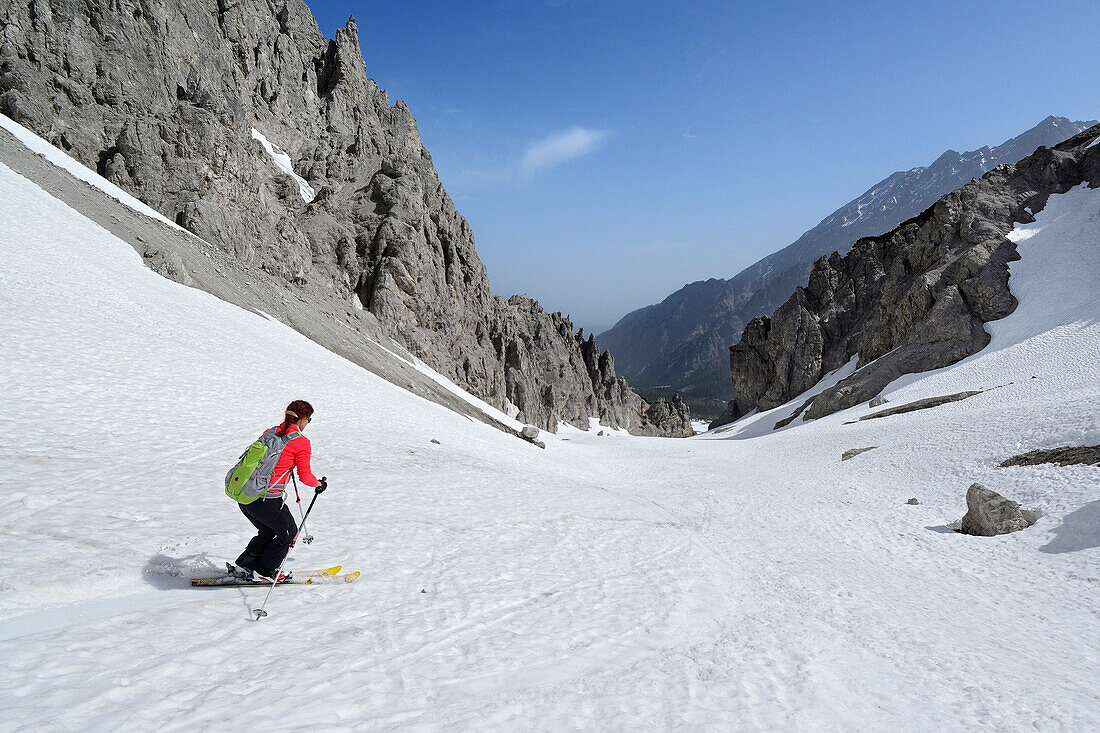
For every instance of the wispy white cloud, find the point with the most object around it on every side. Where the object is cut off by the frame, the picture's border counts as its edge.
(561, 147)
(487, 175)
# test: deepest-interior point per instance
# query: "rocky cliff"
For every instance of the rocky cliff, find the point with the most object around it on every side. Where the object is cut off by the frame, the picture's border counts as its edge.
(684, 340)
(245, 125)
(911, 300)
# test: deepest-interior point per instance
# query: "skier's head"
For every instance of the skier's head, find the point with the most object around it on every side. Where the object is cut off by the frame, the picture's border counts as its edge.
(297, 413)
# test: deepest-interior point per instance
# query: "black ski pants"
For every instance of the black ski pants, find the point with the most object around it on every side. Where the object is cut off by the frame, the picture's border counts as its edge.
(275, 531)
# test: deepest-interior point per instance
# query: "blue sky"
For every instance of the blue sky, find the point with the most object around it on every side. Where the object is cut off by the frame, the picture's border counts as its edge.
(605, 153)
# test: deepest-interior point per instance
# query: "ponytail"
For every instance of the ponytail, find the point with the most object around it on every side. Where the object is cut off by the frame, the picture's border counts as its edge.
(295, 411)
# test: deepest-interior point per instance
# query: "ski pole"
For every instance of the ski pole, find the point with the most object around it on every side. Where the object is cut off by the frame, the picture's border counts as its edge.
(260, 612)
(307, 538)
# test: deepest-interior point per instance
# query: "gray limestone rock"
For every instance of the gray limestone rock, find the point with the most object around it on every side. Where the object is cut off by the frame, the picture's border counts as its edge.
(913, 502)
(317, 314)
(163, 100)
(878, 401)
(988, 513)
(530, 432)
(910, 300)
(665, 417)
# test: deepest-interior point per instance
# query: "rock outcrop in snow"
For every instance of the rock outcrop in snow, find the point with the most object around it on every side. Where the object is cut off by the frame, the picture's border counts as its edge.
(183, 105)
(853, 452)
(1072, 455)
(911, 300)
(988, 513)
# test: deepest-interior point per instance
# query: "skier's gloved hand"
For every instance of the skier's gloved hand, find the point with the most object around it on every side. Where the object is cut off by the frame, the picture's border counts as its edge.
(322, 486)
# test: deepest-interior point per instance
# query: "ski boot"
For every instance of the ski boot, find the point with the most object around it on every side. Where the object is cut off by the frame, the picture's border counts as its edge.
(235, 571)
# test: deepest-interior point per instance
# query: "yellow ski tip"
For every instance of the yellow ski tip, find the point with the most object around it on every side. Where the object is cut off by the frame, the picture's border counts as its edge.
(330, 571)
(351, 576)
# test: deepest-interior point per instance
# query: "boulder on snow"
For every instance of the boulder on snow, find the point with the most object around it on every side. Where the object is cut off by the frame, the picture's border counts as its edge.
(530, 433)
(853, 452)
(601, 434)
(877, 402)
(988, 513)
(913, 501)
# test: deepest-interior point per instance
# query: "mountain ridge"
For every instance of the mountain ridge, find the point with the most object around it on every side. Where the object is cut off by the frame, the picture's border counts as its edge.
(683, 341)
(911, 300)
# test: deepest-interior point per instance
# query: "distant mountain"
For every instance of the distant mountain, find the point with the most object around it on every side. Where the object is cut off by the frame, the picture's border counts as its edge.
(911, 300)
(683, 342)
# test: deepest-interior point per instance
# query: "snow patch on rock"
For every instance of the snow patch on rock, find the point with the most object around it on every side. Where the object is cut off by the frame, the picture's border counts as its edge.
(283, 163)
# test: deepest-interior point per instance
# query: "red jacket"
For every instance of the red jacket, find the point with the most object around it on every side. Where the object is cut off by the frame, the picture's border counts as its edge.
(295, 455)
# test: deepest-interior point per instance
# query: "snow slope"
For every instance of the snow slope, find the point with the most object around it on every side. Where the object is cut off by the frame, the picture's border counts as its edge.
(727, 582)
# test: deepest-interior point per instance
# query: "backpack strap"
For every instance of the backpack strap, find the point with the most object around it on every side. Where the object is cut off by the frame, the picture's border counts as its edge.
(286, 441)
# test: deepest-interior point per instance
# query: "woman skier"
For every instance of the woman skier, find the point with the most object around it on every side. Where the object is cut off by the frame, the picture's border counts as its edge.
(271, 516)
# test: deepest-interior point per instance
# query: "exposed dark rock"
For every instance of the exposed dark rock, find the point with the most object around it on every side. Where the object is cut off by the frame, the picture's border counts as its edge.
(922, 404)
(877, 402)
(731, 413)
(790, 418)
(1067, 456)
(911, 300)
(163, 101)
(913, 501)
(853, 452)
(988, 513)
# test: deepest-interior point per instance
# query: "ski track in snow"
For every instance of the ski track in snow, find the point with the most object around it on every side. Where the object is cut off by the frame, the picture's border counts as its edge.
(747, 581)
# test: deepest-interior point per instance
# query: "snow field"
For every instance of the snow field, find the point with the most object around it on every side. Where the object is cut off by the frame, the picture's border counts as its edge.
(743, 580)
(140, 393)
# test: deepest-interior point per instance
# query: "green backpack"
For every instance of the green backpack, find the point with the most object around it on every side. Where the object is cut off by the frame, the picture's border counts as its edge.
(250, 479)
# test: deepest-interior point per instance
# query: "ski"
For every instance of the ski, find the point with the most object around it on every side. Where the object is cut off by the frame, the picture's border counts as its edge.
(225, 579)
(231, 582)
